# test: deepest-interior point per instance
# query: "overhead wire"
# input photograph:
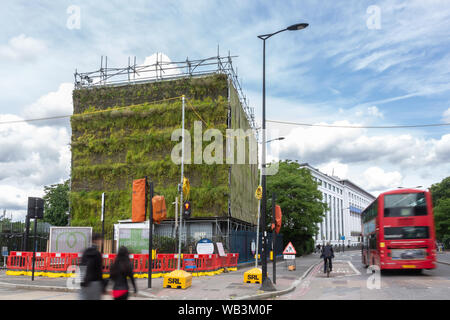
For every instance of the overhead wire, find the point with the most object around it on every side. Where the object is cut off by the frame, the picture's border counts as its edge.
(85, 113)
(360, 127)
(200, 117)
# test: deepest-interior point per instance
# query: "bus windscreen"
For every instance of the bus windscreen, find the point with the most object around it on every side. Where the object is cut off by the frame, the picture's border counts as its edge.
(405, 205)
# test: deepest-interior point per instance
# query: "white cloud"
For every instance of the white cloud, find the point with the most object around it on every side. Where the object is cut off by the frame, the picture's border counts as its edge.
(55, 103)
(350, 152)
(377, 179)
(374, 111)
(335, 168)
(34, 154)
(22, 48)
(446, 115)
(166, 69)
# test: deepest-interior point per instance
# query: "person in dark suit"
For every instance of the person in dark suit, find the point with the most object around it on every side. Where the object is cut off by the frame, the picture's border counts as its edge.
(327, 255)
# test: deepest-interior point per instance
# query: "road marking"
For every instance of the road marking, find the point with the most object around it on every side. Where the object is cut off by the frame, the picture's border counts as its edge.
(354, 269)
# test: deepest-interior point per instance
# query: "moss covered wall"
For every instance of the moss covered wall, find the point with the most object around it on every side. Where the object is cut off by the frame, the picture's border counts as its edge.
(244, 177)
(110, 149)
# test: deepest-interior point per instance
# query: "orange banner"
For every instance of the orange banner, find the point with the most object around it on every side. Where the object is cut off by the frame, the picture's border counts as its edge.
(159, 209)
(138, 201)
(278, 216)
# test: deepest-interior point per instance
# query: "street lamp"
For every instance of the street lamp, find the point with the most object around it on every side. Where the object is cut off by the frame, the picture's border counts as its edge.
(266, 282)
(280, 138)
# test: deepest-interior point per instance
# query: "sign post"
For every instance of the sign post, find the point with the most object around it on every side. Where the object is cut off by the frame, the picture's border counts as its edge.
(289, 254)
(150, 234)
(258, 195)
(103, 220)
(5, 255)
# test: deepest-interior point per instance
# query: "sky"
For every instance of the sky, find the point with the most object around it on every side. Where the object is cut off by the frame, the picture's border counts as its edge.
(358, 63)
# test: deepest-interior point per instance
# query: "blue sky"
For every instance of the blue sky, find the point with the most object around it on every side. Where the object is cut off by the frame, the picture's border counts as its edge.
(358, 63)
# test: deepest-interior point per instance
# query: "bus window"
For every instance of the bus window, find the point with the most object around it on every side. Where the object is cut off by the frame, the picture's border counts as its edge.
(405, 205)
(398, 233)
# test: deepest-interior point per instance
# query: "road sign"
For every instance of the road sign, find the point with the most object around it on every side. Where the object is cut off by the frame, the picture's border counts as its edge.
(289, 256)
(186, 187)
(205, 246)
(289, 249)
(343, 238)
(258, 193)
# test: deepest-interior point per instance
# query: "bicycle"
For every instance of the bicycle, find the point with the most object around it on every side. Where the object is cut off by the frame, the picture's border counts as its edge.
(328, 267)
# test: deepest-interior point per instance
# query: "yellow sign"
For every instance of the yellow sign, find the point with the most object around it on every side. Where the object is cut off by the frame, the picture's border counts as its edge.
(258, 193)
(186, 187)
(253, 276)
(408, 266)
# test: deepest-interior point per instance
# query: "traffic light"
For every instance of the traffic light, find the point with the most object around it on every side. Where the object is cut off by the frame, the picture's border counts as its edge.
(35, 208)
(187, 210)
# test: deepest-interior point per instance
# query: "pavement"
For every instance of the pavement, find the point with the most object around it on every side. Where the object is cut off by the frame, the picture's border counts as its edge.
(443, 257)
(225, 286)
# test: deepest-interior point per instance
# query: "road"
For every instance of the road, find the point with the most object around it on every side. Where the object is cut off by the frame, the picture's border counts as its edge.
(351, 281)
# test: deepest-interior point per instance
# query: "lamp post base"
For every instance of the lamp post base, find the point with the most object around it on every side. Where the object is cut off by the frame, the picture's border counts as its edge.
(267, 285)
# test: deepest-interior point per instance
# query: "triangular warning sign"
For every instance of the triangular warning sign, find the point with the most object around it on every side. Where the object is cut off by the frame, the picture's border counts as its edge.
(289, 249)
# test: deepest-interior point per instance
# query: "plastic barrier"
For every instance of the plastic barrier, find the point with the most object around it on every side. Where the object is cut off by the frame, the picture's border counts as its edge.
(53, 264)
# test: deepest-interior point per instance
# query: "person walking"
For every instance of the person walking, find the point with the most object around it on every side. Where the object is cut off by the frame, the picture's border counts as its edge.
(121, 271)
(92, 283)
(327, 255)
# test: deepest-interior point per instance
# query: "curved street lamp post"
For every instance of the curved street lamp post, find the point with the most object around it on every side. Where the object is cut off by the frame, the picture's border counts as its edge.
(266, 282)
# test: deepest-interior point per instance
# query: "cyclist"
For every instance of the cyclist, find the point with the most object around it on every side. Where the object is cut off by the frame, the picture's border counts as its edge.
(327, 255)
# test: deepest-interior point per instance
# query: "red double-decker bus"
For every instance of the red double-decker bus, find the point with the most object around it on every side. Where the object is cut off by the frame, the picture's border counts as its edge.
(398, 231)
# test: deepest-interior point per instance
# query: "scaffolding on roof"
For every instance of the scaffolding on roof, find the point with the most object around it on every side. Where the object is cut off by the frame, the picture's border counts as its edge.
(165, 70)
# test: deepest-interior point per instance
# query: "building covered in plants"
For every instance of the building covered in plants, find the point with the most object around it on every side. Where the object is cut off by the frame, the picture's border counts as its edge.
(122, 126)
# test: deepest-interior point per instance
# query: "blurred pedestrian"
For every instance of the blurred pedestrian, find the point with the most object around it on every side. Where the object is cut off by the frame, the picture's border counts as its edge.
(121, 271)
(92, 283)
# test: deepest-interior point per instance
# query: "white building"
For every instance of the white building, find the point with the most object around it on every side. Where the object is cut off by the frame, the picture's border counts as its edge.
(346, 201)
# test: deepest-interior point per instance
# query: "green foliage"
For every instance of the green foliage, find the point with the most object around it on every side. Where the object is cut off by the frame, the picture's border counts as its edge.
(56, 203)
(301, 204)
(441, 202)
(132, 139)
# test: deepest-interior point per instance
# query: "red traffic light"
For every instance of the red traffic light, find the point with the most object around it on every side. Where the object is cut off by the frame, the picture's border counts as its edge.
(187, 210)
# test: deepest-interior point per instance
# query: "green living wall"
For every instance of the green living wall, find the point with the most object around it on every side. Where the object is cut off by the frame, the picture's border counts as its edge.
(123, 133)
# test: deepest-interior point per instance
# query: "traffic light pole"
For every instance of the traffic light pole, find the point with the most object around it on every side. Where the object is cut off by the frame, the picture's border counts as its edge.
(34, 240)
(150, 235)
(181, 186)
(103, 221)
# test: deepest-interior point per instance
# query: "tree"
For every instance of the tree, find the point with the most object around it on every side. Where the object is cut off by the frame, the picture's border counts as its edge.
(440, 193)
(56, 203)
(301, 204)
(440, 190)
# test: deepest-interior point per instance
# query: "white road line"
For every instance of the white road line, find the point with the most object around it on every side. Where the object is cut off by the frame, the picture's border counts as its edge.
(353, 267)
